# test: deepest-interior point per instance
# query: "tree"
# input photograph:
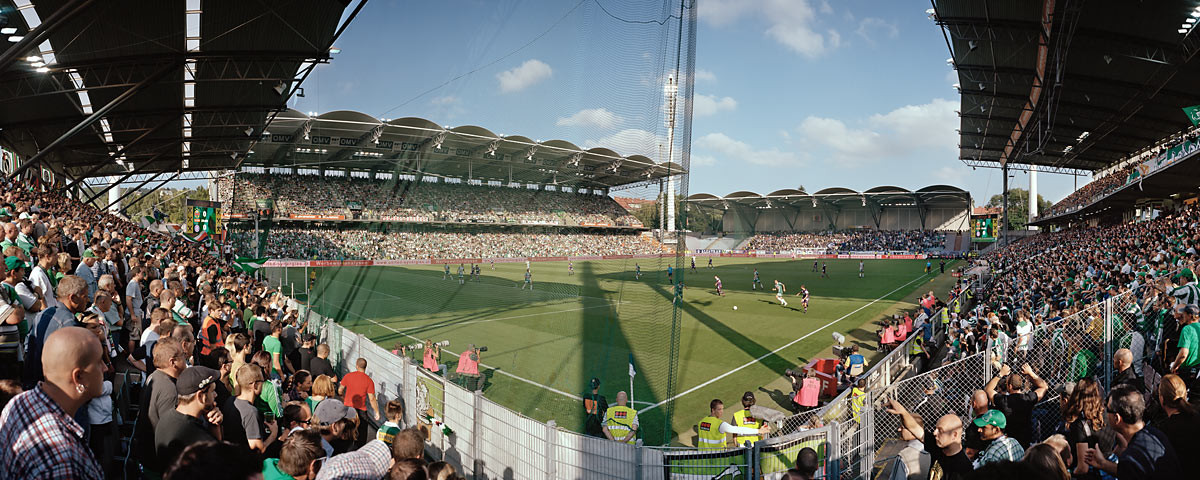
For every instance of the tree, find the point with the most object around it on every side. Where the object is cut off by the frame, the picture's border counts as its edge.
(1018, 207)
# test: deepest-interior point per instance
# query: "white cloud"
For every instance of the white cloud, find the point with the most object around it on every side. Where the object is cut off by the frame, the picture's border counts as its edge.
(703, 75)
(446, 100)
(790, 22)
(951, 174)
(528, 74)
(705, 105)
(590, 117)
(630, 141)
(703, 161)
(870, 27)
(912, 128)
(732, 149)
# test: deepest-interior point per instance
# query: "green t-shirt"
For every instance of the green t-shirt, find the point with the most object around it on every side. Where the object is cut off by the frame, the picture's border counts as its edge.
(1189, 338)
(274, 347)
(268, 400)
(271, 470)
(387, 433)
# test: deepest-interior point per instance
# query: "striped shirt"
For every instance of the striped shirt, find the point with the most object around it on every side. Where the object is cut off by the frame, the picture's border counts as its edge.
(1187, 294)
(40, 440)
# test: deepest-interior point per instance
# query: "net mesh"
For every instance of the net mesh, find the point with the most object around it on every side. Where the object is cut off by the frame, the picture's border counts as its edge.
(620, 80)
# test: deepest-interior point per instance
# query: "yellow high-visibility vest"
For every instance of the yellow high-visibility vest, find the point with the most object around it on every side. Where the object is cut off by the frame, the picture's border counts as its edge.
(711, 437)
(743, 418)
(619, 421)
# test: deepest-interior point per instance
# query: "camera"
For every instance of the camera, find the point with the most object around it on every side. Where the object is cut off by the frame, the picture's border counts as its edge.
(793, 373)
(482, 349)
(421, 346)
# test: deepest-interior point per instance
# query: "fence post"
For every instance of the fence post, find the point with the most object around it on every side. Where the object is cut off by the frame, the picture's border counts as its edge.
(638, 460)
(478, 401)
(753, 461)
(551, 435)
(834, 451)
(1108, 342)
(868, 434)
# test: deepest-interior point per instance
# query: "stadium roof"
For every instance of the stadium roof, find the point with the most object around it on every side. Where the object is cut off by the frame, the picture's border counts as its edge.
(1100, 82)
(154, 83)
(357, 141)
(838, 196)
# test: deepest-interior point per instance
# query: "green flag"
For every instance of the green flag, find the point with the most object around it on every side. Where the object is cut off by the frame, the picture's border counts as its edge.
(248, 265)
(1193, 113)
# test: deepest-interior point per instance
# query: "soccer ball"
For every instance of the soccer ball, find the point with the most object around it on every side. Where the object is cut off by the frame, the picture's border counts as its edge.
(735, 307)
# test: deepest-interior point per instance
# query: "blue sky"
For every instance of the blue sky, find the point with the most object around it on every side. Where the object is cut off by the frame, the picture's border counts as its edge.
(852, 93)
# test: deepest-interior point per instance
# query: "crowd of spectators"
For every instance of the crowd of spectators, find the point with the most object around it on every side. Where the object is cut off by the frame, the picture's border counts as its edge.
(1129, 428)
(105, 325)
(851, 241)
(1091, 192)
(362, 244)
(418, 200)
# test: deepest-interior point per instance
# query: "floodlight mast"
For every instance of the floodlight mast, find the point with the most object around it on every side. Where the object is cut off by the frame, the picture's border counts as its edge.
(672, 92)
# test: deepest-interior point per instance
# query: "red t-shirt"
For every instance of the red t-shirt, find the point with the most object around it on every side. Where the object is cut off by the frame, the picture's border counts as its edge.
(358, 385)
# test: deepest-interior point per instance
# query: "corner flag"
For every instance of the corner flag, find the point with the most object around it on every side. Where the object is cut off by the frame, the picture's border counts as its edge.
(632, 370)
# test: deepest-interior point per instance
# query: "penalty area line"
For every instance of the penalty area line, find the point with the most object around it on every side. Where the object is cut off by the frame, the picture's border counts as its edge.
(777, 350)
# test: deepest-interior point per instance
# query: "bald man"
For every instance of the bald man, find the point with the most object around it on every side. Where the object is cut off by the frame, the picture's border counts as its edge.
(1124, 373)
(974, 442)
(40, 438)
(947, 458)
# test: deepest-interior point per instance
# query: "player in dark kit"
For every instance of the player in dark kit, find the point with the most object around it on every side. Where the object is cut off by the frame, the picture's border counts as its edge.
(757, 283)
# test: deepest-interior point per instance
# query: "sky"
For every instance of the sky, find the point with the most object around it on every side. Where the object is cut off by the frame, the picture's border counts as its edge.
(788, 93)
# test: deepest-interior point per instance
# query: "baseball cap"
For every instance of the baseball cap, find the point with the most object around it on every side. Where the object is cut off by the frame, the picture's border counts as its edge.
(13, 263)
(595, 382)
(195, 379)
(994, 418)
(88, 254)
(331, 410)
(371, 462)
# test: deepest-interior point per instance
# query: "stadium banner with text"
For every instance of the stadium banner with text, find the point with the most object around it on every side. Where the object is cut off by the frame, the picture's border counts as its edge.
(420, 261)
(1165, 159)
(316, 217)
(585, 257)
(591, 224)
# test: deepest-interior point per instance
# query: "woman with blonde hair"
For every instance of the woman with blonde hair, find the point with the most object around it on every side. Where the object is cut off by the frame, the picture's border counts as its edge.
(1182, 421)
(1083, 415)
(322, 388)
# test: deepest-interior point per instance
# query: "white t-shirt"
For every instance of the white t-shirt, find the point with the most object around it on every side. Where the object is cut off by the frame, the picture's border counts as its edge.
(39, 278)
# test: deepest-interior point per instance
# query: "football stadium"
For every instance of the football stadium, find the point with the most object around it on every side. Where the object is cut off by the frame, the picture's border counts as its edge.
(599, 239)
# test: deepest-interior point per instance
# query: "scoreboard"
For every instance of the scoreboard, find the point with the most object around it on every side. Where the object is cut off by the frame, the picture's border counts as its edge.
(983, 229)
(204, 217)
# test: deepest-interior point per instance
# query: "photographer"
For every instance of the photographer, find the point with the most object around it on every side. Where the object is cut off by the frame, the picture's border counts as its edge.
(806, 390)
(433, 352)
(468, 368)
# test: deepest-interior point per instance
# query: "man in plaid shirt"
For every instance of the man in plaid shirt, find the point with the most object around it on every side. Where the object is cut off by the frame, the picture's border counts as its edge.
(1003, 447)
(38, 435)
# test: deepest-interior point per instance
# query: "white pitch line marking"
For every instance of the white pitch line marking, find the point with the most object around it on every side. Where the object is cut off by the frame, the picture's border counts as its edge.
(772, 352)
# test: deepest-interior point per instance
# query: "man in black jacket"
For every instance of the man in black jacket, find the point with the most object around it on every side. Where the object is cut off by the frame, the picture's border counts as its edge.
(1123, 372)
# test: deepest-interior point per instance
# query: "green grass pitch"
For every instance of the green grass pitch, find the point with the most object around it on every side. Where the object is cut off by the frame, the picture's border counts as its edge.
(572, 327)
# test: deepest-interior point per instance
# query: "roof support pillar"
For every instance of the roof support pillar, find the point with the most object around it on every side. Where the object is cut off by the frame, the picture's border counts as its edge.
(95, 116)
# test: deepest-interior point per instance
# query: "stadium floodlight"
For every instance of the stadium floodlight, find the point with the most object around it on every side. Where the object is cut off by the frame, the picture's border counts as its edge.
(33, 58)
(950, 61)
(38, 64)
(43, 69)
(1190, 20)
(1195, 13)
(248, 131)
(1186, 25)
(8, 30)
(957, 87)
(1183, 30)
(16, 38)
(334, 50)
(931, 13)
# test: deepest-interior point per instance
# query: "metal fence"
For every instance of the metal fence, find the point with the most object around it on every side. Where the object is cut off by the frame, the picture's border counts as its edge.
(487, 440)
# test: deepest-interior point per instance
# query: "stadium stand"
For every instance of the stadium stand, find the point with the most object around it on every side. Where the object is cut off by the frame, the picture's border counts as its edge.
(863, 240)
(361, 244)
(442, 202)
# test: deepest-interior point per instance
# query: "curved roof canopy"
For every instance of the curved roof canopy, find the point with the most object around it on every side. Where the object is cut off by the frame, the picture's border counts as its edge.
(161, 86)
(838, 196)
(356, 141)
